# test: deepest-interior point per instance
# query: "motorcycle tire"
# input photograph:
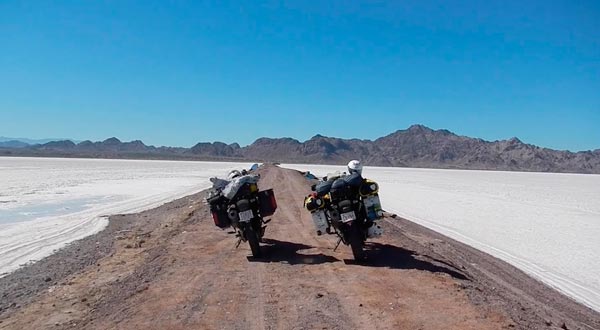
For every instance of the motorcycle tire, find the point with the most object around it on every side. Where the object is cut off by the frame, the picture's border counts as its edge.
(253, 241)
(357, 242)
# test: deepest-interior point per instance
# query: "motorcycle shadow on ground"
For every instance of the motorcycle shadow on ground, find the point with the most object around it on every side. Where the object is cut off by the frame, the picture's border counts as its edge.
(287, 252)
(385, 255)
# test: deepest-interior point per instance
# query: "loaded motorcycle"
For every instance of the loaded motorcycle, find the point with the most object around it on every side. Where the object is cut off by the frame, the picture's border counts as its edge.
(242, 206)
(348, 206)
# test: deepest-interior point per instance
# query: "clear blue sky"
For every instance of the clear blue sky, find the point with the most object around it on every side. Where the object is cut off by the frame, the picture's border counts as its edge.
(177, 72)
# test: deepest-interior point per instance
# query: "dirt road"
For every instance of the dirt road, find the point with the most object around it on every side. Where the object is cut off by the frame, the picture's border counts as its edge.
(171, 268)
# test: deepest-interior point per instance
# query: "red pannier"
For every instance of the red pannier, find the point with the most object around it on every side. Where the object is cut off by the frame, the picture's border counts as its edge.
(220, 218)
(218, 210)
(268, 204)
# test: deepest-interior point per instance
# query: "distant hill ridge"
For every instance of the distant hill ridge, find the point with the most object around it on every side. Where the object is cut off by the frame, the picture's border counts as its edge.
(417, 146)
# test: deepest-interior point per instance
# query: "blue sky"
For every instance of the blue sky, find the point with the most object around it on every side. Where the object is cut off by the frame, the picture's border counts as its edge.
(177, 72)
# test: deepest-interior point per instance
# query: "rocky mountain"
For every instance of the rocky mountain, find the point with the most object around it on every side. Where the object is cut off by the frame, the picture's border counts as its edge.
(420, 146)
(319, 150)
(32, 141)
(417, 146)
(218, 149)
(13, 144)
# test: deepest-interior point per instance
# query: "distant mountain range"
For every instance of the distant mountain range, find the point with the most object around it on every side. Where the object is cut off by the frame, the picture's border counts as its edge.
(7, 141)
(417, 146)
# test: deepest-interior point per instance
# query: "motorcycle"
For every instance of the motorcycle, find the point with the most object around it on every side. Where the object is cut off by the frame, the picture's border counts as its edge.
(349, 207)
(244, 211)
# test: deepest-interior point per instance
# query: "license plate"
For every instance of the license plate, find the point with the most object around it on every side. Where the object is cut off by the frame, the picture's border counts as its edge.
(246, 216)
(348, 216)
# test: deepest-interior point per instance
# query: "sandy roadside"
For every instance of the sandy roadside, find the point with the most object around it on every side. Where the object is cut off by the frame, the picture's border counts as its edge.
(171, 268)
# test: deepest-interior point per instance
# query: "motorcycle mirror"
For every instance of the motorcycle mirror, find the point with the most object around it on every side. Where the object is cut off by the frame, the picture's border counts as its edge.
(324, 178)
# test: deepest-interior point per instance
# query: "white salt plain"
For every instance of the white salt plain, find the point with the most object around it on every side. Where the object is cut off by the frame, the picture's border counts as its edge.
(45, 203)
(546, 224)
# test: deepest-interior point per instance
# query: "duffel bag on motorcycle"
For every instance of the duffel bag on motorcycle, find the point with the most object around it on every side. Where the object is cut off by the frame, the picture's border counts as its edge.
(323, 187)
(313, 202)
(368, 187)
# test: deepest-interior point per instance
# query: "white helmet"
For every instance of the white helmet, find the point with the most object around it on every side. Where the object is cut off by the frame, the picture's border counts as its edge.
(355, 166)
(233, 174)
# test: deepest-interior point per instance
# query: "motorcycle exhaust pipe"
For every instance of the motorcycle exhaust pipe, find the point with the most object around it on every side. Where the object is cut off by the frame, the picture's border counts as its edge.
(232, 214)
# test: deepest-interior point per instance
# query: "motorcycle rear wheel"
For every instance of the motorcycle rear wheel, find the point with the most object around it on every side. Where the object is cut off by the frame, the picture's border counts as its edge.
(253, 241)
(357, 242)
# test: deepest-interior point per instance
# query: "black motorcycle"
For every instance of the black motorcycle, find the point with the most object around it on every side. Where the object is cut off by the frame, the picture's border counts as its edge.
(347, 206)
(245, 212)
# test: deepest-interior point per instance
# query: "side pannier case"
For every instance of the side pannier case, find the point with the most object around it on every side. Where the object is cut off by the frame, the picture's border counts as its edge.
(369, 191)
(315, 204)
(320, 221)
(267, 202)
(373, 207)
(218, 210)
